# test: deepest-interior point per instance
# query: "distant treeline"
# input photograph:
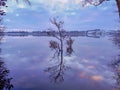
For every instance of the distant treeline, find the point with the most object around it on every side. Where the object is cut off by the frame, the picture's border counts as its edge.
(97, 33)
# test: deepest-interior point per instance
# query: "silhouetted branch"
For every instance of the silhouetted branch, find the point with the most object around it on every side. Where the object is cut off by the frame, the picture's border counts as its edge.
(94, 2)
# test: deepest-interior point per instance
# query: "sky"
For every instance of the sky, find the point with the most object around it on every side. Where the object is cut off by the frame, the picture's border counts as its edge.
(21, 16)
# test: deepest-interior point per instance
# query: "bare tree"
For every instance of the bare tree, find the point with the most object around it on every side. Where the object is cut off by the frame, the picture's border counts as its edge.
(57, 71)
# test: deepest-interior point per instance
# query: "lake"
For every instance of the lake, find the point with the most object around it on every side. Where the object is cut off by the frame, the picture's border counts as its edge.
(91, 66)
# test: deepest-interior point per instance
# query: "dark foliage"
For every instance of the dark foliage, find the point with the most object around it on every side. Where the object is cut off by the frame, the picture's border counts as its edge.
(2, 4)
(5, 81)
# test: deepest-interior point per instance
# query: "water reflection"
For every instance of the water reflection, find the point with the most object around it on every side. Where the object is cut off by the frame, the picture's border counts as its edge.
(116, 67)
(116, 62)
(87, 64)
(115, 37)
(57, 71)
(5, 81)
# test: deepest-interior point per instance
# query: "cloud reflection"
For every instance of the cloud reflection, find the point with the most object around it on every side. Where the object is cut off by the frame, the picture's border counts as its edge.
(97, 78)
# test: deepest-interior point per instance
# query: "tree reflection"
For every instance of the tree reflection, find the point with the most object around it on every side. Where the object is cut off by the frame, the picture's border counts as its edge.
(115, 38)
(116, 67)
(5, 82)
(58, 46)
(116, 62)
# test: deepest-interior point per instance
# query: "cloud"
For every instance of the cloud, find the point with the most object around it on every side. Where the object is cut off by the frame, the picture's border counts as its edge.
(7, 20)
(17, 14)
(52, 6)
(71, 11)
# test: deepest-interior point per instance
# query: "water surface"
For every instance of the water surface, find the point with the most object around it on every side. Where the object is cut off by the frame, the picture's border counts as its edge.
(88, 67)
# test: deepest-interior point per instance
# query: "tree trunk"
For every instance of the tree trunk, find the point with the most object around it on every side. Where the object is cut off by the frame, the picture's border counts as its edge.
(118, 6)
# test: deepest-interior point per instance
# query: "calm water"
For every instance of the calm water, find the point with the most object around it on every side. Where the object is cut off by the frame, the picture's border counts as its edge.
(87, 68)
